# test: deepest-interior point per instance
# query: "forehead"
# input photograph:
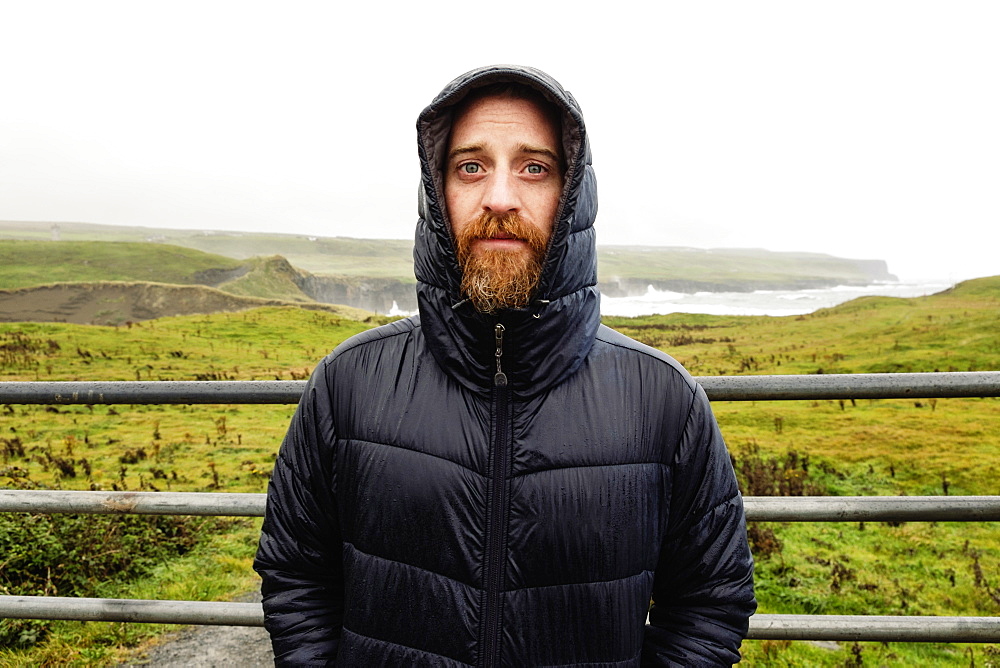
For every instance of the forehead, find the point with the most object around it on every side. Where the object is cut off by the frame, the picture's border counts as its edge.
(495, 117)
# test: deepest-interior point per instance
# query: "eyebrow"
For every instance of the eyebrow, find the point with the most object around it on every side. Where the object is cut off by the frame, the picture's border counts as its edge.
(540, 150)
(464, 150)
(523, 148)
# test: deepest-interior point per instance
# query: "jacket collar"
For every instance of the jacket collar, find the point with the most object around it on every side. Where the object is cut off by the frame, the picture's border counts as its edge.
(546, 342)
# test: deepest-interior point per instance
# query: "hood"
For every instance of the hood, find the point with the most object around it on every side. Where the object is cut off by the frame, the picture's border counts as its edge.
(547, 341)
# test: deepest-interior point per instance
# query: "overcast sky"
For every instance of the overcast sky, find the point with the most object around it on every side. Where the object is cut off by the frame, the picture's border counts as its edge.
(861, 129)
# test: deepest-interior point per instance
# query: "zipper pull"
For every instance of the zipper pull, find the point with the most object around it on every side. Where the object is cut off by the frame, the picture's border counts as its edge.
(500, 378)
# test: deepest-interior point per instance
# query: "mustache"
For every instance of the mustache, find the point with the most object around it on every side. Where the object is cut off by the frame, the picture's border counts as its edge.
(490, 225)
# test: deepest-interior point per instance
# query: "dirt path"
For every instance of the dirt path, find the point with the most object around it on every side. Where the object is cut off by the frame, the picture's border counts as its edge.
(208, 647)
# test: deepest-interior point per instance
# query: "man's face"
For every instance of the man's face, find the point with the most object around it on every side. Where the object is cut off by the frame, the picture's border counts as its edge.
(502, 187)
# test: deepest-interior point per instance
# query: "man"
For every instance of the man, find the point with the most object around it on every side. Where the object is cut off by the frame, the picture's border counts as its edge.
(502, 480)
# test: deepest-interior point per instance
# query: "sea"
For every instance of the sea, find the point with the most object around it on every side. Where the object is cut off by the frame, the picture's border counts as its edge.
(758, 302)
(761, 302)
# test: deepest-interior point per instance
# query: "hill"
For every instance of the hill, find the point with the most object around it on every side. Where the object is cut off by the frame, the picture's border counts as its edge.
(28, 269)
(117, 303)
(28, 263)
(623, 269)
(629, 270)
(341, 256)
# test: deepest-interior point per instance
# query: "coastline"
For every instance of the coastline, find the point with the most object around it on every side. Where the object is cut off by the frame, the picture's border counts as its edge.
(762, 302)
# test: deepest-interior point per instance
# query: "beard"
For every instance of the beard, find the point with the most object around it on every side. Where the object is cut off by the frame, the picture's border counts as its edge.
(494, 279)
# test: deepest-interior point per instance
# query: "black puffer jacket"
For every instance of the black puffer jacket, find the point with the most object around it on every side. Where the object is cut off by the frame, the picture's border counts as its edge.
(420, 515)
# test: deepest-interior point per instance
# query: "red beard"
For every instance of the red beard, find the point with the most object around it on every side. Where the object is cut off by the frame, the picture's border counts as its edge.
(495, 279)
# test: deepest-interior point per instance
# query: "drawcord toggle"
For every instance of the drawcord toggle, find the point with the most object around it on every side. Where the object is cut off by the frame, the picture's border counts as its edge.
(541, 303)
(500, 378)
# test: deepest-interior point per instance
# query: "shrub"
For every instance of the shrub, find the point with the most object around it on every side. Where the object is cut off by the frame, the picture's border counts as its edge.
(761, 476)
(72, 555)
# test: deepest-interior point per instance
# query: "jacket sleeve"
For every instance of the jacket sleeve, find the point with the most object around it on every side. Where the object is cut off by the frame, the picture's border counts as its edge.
(703, 586)
(299, 557)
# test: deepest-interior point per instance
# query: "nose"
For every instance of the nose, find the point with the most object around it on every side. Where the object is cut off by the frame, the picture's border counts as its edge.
(501, 193)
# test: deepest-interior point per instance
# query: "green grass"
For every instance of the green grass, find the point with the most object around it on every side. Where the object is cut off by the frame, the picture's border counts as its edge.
(885, 447)
(271, 278)
(954, 330)
(180, 448)
(30, 263)
(26, 264)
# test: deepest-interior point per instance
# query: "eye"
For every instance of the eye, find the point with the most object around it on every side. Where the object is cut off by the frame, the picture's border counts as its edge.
(536, 169)
(469, 168)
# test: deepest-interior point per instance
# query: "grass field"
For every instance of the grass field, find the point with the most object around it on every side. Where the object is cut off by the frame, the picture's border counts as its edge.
(885, 447)
(29, 263)
(25, 264)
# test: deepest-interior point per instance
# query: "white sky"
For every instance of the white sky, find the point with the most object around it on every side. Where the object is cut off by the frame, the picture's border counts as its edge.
(863, 129)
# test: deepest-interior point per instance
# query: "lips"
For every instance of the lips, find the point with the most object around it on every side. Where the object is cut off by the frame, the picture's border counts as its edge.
(504, 234)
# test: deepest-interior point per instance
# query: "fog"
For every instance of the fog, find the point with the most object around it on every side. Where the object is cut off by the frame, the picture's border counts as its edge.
(860, 129)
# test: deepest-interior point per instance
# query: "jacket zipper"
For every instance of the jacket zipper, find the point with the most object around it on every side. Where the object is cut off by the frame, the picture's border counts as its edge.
(496, 513)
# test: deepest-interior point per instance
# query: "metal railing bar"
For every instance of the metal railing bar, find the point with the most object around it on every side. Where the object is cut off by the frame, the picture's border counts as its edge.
(758, 508)
(873, 508)
(876, 628)
(137, 503)
(131, 610)
(153, 392)
(762, 627)
(718, 388)
(853, 386)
